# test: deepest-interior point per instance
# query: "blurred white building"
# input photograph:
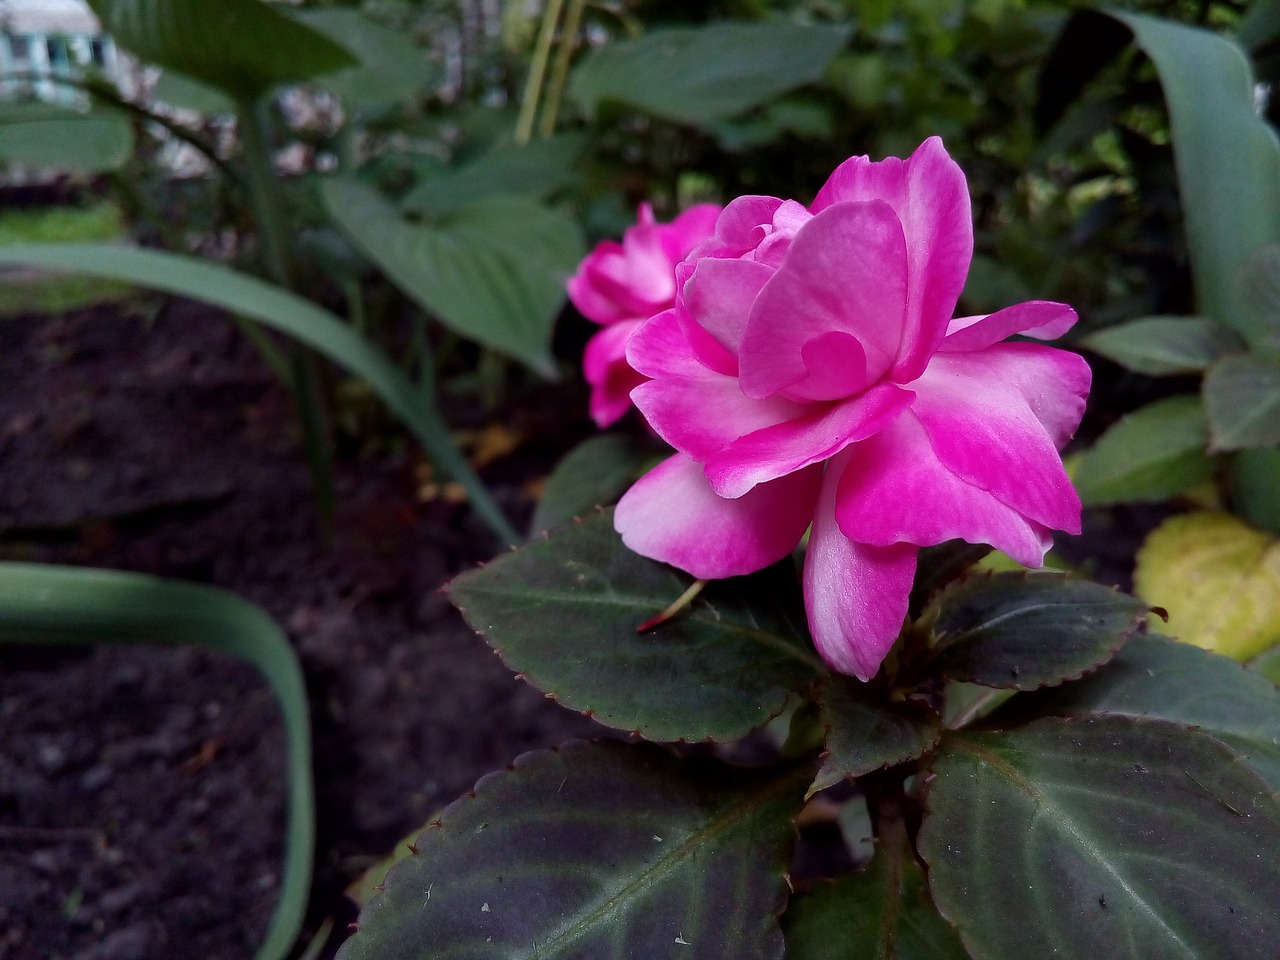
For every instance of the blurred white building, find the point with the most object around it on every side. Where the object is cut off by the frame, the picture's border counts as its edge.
(44, 40)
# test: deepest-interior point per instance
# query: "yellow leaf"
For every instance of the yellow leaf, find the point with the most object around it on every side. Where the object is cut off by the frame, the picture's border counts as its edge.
(1219, 579)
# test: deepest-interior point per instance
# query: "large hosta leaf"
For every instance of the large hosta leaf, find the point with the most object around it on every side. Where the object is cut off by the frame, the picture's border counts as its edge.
(865, 734)
(706, 73)
(595, 851)
(1103, 837)
(242, 47)
(882, 912)
(392, 66)
(1150, 454)
(1023, 631)
(564, 611)
(1160, 678)
(1218, 578)
(42, 135)
(1161, 346)
(492, 271)
(1242, 402)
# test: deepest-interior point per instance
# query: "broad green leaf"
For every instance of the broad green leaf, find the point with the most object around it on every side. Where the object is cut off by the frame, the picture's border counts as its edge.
(597, 850)
(1022, 631)
(46, 136)
(1267, 664)
(882, 912)
(938, 565)
(1160, 346)
(1260, 284)
(186, 93)
(1163, 679)
(1227, 157)
(1219, 580)
(392, 66)
(701, 74)
(564, 611)
(493, 271)
(281, 310)
(1255, 495)
(866, 734)
(1102, 837)
(41, 604)
(1242, 402)
(532, 170)
(241, 47)
(594, 473)
(1150, 454)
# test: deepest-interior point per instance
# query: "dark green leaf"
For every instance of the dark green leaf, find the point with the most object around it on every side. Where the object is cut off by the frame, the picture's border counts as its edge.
(879, 912)
(1160, 346)
(1163, 679)
(1260, 283)
(1228, 160)
(1103, 837)
(532, 170)
(865, 734)
(1255, 495)
(392, 66)
(597, 850)
(1268, 665)
(45, 136)
(1023, 631)
(178, 90)
(1242, 402)
(701, 74)
(242, 47)
(1151, 454)
(43, 604)
(564, 611)
(939, 565)
(594, 473)
(493, 271)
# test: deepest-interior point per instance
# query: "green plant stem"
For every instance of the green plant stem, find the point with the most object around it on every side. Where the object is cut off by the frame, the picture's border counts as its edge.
(537, 71)
(273, 229)
(560, 71)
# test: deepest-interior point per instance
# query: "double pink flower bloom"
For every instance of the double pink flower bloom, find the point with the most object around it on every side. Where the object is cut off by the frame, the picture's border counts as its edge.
(811, 376)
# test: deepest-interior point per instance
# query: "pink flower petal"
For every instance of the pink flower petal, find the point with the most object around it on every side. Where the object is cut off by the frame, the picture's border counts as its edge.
(719, 295)
(816, 433)
(846, 273)
(855, 595)
(996, 417)
(1042, 319)
(695, 408)
(605, 366)
(929, 194)
(672, 515)
(690, 228)
(896, 490)
(738, 229)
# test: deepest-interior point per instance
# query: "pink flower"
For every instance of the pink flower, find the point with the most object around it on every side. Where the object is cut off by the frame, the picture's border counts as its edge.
(620, 285)
(810, 374)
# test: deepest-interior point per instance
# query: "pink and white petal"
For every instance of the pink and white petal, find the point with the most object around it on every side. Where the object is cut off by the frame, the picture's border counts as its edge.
(929, 194)
(817, 434)
(719, 295)
(672, 515)
(1043, 319)
(996, 418)
(612, 378)
(895, 489)
(846, 272)
(855, 595)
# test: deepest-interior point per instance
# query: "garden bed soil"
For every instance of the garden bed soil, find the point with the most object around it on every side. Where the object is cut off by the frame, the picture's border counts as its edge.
(141, 789)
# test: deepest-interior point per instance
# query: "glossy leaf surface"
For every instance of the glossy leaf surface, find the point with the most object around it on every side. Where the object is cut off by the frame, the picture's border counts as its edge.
(1242, 402)
(1162, 346)
(864, 734)
(493, 271)
(701, 74)
(1148, 455)
(563, 611)
(1102, 837)
(1022, 631)
(882, 912)
(242, 47)
(597, 850)
(1218, 578)
(1163, 679)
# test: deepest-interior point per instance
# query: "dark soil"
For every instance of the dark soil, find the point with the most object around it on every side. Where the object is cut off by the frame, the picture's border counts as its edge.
(141, 789)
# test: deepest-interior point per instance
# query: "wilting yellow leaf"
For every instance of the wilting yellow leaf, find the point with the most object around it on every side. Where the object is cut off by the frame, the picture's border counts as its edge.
(1219, 579)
